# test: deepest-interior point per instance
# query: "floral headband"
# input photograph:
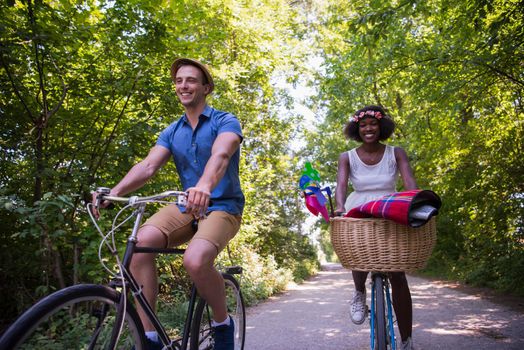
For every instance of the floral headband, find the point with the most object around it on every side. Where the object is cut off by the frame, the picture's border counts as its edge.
(357, 117)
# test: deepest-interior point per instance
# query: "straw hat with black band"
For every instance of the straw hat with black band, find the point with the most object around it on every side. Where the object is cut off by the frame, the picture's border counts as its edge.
(179, 62)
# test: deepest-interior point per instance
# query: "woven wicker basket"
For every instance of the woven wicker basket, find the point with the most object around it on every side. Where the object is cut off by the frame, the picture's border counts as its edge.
(381, 245)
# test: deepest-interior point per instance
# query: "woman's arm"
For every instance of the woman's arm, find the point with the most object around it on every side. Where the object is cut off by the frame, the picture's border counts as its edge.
(404, 167)
(342, 182)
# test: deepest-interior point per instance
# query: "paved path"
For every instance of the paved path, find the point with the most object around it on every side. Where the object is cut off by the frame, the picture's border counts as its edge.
(314, 315)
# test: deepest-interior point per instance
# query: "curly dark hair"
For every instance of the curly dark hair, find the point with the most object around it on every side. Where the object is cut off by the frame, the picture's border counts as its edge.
(387, 125)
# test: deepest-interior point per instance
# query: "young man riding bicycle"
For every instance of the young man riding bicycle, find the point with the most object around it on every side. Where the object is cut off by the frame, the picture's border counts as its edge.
(205, 146)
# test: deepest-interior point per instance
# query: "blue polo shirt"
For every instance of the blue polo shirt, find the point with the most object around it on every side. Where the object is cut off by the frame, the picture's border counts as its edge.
(191, 149)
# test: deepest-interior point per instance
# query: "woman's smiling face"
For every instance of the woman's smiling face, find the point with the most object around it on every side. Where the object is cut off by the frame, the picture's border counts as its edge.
(369, 130)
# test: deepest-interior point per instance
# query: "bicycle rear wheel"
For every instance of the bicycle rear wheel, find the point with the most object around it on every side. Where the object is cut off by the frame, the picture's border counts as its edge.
(201, 331)
(380, 314)
(77, 317)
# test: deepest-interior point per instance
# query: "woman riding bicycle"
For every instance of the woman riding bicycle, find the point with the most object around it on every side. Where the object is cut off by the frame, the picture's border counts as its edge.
(373, 170)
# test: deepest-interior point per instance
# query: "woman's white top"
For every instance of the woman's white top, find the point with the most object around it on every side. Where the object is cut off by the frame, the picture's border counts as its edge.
(371, 181)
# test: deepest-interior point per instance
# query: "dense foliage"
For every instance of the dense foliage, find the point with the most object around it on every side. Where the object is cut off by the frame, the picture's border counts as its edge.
(450, 73)
(86, 90)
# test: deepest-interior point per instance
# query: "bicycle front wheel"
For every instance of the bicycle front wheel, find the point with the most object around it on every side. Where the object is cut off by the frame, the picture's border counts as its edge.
(201, 331)
(77, 317)
(380, 314)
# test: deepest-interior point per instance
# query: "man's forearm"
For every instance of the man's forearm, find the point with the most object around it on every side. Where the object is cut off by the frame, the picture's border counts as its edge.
(214, 171)
(223, 149)
(134, 179)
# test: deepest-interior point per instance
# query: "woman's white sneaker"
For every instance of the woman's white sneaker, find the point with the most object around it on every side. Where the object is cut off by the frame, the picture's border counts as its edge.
(358, 308)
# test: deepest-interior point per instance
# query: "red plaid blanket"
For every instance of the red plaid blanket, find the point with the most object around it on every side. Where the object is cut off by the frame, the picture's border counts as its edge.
(401, 207)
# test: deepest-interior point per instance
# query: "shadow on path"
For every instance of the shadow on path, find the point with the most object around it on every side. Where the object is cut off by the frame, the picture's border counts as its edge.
(315, 315)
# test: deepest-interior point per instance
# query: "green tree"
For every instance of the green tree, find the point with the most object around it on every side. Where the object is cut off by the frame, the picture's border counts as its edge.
(449, 73)
(85, 92)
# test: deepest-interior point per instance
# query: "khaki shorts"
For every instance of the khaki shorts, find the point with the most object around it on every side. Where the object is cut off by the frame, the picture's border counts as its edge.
(219, 227)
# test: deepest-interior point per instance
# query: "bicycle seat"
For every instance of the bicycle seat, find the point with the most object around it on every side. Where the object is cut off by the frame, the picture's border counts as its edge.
(234, 270)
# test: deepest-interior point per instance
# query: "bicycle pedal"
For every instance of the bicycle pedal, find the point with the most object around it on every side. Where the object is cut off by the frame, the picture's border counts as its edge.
(234, 270)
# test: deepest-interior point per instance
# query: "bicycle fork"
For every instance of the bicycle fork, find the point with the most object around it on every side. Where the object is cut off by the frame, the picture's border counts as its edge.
(390, 317)
(373, 310)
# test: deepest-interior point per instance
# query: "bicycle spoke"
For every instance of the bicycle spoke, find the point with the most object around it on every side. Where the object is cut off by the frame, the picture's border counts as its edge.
(202, 333)
(79, 317)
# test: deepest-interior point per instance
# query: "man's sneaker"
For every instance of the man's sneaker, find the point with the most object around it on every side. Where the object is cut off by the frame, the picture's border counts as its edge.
(225, 336)
(407, 344)
(358, 308)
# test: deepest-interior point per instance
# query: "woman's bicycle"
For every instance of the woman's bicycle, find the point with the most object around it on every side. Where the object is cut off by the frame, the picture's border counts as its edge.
(91, 316)
(381, 246)
(381, 314)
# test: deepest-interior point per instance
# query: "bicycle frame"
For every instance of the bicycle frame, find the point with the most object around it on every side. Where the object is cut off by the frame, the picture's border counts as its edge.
(103, 311)
(129, 279)
(140, 298)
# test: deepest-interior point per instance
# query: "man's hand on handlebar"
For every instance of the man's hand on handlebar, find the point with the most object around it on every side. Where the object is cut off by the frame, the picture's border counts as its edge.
(97, 203)
(197, 201)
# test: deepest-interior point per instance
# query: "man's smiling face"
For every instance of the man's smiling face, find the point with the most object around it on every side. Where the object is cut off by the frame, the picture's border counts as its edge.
(190, 87)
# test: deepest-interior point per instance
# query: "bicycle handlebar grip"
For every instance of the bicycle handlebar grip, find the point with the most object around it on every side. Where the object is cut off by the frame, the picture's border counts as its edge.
(101, 192)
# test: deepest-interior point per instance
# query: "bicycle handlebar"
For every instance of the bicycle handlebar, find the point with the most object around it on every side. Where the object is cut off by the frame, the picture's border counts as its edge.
(103, 194)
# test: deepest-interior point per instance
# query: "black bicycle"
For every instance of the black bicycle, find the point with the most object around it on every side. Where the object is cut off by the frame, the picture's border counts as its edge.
(92, 316)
